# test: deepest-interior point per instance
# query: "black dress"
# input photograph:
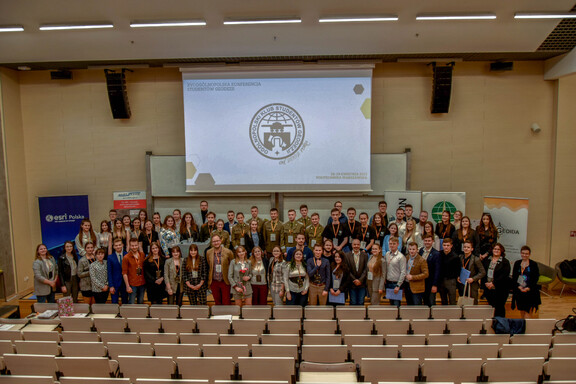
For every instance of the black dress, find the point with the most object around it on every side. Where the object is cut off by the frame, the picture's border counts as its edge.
(526, 301)
(152, 272)
(498, 296)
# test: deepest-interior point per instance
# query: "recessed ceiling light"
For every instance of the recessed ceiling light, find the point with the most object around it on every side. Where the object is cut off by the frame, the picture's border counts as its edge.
(11, 28)
(167, 23)
(285, 20)
(354, 19)
(56, 27)
(455, 16)
(545, 15)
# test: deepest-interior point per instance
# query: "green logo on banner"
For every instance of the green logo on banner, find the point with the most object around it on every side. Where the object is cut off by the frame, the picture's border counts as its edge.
(441, 207)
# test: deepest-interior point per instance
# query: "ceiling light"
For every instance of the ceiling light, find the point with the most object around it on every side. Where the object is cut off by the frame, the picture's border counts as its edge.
(545, 15)
(353, 19)
(11, 28)
(462, 16)
(55, 27)
(167, 23)
(285, 20)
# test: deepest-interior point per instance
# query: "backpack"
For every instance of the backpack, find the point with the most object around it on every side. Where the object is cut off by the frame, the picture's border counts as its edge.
(568, 268)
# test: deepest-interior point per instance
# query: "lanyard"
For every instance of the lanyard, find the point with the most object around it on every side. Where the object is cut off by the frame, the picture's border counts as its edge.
(465, 265)
(336, 230)
(273, 226)
(353, 227)
(315, 229)
(364, 233)
(157, 262)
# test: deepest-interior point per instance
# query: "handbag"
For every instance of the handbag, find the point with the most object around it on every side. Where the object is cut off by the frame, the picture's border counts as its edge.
(465, 299)
(568, 323)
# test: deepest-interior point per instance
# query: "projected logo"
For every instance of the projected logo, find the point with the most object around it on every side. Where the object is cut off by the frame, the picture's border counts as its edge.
(277, 131)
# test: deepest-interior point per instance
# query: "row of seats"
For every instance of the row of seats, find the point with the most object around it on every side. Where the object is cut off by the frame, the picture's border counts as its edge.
(283, 312)
(373, 370)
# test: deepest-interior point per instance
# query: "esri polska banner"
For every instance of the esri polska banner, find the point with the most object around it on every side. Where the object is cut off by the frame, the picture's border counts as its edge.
(437, 202)
(510, 215)
(60, 218)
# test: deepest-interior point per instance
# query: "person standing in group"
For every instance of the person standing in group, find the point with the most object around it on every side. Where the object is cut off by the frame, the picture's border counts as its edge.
(68, 271)
(457, 220)
(99, 277)
(395, 269)
(195, 276)
(113, 216)
(189, 228)
(133, 273)
(105, 237)
(429, 230)
(392, 232)
(526, 292)
(422, 219)
(353, 227)
(204, 211)
(84, 273)
(382, 208)
(314, 231)
(177, 215)
(487, 235)
(85, 235)
(157, 221)
(45, 273)
(143, 216)
(366, 234)
(410, 235)
(319, 275)
(304, 219)
(208, 227)
(115, 278)
(340, 281)
(147, 237)
(416, 274)
(450, 267)
(432, 258)
(118, 232)
(445, 229)
(239, 275)
(169, 235)
(357, 261)
(253, 238)
(239, 232)
(328, 251)
(154, 275)
(173, 276)
(496, 283)
(127, 225)
(289, 231)
(400, 223)
(224, 236)
(276, 276)
(296, 281)
(336, 231)
(259, 266)
(272, 231)
(465, 232)
(376, 275)
(301, 245)
(229, 225)
(472, 264)
(136, 231)
(219, 259)
(381, 230)
(254, 217)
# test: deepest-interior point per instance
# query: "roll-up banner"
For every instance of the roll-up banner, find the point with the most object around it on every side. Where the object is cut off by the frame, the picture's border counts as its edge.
(437, 202)
(60, 218)
(129, 202)
(399, 199)
(510, 215)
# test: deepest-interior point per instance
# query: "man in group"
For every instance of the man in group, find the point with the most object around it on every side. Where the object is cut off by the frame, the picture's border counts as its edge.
(254, 216)
(304, 219)
(271, 230)
(239, 230)
(113, 215)
(400, 223)
(301, 245)
(422, 219)
(416, 273)
(336, 231)
(133, 273)
(314, 231)
(432, 257)
(177, 215)
(409, 210)
(352, 225)
(450, 271)
(203, 211)
(115, 276)
(382, 207)
(219, 259)
(207, 228)
(230, 223)
(319, 273)
(341, 217)
(357, 261)
(396, 269)
(289, 231)
(366, 234)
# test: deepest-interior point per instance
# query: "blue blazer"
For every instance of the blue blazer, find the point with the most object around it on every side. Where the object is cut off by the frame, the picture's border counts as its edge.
(433, 260)
(115, 278)
(227, 226)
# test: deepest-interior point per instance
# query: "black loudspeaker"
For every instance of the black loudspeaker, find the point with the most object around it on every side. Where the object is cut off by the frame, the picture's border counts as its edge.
(117, 94)
(502, 66)
(63, 74)
(441, 89)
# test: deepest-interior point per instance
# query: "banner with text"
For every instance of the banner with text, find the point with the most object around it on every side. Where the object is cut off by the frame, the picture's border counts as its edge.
(510, 215)
(399, 199)
(437, 202)
(60, 218)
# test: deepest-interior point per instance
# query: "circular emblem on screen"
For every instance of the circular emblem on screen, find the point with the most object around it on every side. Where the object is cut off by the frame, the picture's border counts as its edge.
(277, 131)
(49, 218)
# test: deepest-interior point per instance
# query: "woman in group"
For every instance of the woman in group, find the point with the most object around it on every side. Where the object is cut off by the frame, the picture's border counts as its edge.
(119, 232)
(173, 276)
(259, 265)
(526, 292)
(487, 235)
(195, 276)
(457, 220)
(157, 220)
(143, 216)
(147, 237)
(239, 275)
(104, 237)
(254, 238)
(85, 235)
(127, 224)
(169, 235)
(84, 273)
(445, 229)
(188, 228)
(224, 235)
(154, 274)
(340, 281)
(99, 277)
(45, 273)
(68, 271)
(136, 230)
(329, 250)
(379, 228)
(376, 276)
(429, 229)
(296, 280)
(496, 283)
(392, 232)
(276, 276)
(411, 233)
(465, 233)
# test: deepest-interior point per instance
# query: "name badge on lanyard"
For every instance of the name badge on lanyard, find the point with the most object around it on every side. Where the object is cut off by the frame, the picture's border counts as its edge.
(336, 284)
(242, 241)
(363, 244)
(219, 268)
(194, 274)
(335, 241)
(370, 275)
(313, 242)
(272, 237)
(290, 238)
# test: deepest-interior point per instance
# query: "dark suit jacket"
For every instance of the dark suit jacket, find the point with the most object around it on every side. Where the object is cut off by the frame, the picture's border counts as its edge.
(362, 271)
(115, 278)
(434, 268)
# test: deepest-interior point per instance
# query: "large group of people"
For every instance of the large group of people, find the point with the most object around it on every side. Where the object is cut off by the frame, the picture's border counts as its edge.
(298, 262)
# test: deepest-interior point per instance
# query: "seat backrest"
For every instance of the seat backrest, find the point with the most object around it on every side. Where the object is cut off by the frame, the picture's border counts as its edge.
(104, 324)
(447, 339)
(405, 339)
(94, 380)
(76, 323)
(485, 339)
(350, 340)
(275, 350)
(514, 369)
(79, 336)
(220, 310)
(479, 351)
(119, 337)
(226, 350)
(164, 311)
(6, 346)
(213, 325)
(524, 350)
(31, 364)
(134, 311)
(540, 326)
(287, 312)
(206, 368)
(469, 326)
(411, 312)
(424, 351)
(178, 325)
(41, 335)
(258, 312)
(284, 326)
(150, 367)
(452, 312)
(113, 309)
(280, 339)
(51, 348)
(351, 313)
(240, 339)
(11, 335)
(454, 370)
(320, 326)
(155, 337)
(175, 350)
(531, 339)
(559, 338)
(356, 327)
(482, 312)
(381, 312)
(372, 369)
(266, 368)
(560, 368)
(312, 339)
(116, 349)
(87, 366)
(144, 324)
(325, 312)
(324, 353)
(81, 308)
(392, 327)
(249, 326)
(26, 379)
(563, 350)
(199, 338)
(358, 352)
(195, 312)
(428, 326)
(41, 307)
(83, 349)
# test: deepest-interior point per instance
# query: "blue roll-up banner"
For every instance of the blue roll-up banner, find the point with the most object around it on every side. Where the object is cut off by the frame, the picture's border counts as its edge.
(60, 218)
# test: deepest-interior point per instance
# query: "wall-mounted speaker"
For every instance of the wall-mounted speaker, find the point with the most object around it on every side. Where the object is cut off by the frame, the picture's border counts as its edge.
(441, 88)
(117, 94)
(62, 74)
(502, 66)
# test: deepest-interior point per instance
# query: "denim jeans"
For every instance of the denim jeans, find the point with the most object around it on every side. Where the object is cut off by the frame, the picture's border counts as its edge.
(137, 295)
(357, 295)
(297, 298)
(50, 298)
